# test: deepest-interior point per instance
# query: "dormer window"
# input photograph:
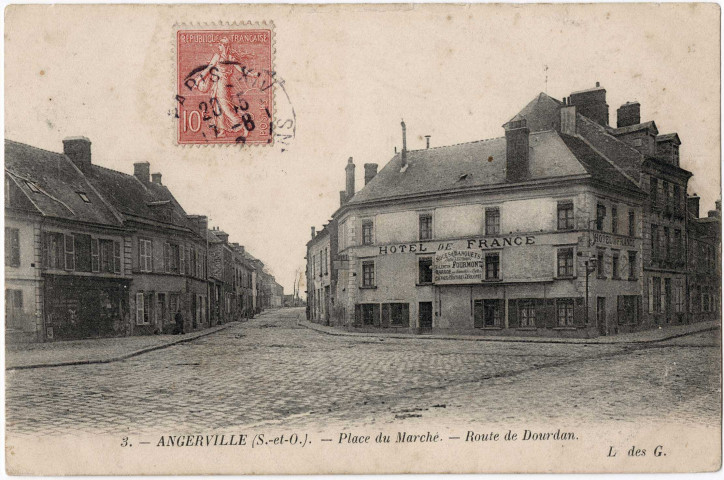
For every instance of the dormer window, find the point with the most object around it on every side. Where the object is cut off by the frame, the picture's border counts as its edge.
(33, 187)
(83, 197)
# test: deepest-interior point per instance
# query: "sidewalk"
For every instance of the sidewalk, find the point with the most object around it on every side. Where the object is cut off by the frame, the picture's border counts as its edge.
(647, 336)
(100, 350)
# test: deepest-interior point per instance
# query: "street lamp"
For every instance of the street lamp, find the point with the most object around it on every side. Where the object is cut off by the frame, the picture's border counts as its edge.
(591, 264)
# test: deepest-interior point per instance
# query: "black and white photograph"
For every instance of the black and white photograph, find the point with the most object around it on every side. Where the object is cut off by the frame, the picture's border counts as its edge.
(362, 239)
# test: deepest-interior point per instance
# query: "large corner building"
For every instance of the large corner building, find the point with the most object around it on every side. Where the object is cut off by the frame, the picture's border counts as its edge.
(564, 226)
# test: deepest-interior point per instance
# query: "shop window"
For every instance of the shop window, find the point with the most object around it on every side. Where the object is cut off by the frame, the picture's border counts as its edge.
(564, 312)
(526, 313)
(424, 267)
(369, 311)
(492, 266)
(492, 221)
(565, 215)
(396, 314)
(368, 232)
(628, 309)
(565, 262)
(487, 313)
(12, 247)
(425, 227)
(368, 274)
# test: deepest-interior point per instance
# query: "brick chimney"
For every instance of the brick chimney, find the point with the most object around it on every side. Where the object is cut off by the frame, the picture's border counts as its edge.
(201, 222)
(516, 150)
(349, 169)
(568, 119)
(78, 149)
(692, 205)
(156, 178)
(370, 172)
(628, 114)
(427, 141)
(142, 171)
(591, 103)
(314, 230)
(342, 197)
(223, 236)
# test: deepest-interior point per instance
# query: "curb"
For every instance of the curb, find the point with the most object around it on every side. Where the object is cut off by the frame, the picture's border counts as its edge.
(592, 341)
(120, 357)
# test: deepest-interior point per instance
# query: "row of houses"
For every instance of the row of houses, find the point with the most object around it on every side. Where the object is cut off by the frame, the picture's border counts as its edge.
(564, 226)
(93, 252)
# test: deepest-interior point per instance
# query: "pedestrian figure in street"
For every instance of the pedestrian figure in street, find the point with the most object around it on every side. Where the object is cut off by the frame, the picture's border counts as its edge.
(179, 319)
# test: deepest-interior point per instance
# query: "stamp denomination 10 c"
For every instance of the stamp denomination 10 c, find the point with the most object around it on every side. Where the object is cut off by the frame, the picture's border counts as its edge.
(225, 86)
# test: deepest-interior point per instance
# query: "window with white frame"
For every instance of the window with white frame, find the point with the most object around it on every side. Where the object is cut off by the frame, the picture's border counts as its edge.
(564, 312)
(145, 255)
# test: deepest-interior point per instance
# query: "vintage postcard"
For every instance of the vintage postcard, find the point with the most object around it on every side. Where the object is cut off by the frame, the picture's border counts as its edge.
(364, 239)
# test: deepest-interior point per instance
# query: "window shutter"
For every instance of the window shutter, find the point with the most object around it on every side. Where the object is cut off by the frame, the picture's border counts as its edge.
(69, 241)
(15, 254)
(620, 311)
(117, 257)
(358, 315)
(182, 260)
(141, 255)
(513, 321)
(44, 249)
(166, 257)
(95, 265)
(139, 308)
(550, 319)
(18, 299)
(579, 313)
(478, 314)
(406, 315)
(376, 314)
(541, 310)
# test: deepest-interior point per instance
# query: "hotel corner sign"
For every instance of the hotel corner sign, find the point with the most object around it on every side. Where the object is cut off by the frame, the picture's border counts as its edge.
(458, 266)
(616, 241)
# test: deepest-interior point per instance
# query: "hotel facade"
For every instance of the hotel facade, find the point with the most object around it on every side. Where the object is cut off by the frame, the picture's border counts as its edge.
(543, 231)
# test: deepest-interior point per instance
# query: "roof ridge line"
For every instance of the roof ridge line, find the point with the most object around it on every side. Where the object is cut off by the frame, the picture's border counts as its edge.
(35, 148)
(458, 144)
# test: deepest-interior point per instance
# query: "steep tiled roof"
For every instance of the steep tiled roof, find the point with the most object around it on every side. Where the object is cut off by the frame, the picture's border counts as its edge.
(467, 165)
(597, 165)
(59, 184)
(137, 200)
(542, 113)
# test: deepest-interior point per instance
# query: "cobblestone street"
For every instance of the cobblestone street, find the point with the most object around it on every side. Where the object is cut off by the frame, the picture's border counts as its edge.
(270, 371)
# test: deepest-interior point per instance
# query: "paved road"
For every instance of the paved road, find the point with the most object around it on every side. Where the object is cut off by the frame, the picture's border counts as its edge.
(269, 371)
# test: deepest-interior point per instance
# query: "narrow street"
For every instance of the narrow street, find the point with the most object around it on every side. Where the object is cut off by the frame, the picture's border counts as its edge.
(270, 371)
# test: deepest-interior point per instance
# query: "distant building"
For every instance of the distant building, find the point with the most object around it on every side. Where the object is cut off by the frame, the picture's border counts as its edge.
(704, 262)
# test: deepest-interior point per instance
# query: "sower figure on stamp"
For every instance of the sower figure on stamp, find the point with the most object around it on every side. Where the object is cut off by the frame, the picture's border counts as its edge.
(218, 79)
(179, 319)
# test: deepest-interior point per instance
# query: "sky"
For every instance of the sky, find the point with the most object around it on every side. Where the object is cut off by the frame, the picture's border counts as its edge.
(350, 74)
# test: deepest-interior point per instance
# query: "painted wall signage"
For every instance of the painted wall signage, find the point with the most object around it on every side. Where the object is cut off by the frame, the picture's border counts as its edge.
(469, 244)
(457, 266)
(605, 239)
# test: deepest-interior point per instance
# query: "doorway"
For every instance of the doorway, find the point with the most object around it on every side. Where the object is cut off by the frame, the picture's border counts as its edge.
(425, 315)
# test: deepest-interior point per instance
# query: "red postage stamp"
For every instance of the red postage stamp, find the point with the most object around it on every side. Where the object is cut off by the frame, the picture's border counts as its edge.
(225, 86)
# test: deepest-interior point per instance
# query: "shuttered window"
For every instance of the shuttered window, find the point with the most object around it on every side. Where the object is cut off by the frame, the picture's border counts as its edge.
(12, 247)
